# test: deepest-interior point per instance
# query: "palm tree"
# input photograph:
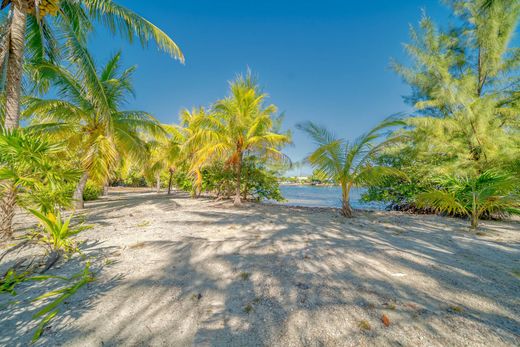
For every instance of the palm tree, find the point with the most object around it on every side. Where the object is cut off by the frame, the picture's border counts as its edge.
(485, 194)
(87, 115)
(241, 125)
(76, 18)
(33, 28)
(191, 121)
(165, 152)
(348, 163)
(178, 149)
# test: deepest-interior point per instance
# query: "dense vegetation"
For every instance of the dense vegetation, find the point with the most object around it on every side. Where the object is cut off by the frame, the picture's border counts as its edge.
(465, 89)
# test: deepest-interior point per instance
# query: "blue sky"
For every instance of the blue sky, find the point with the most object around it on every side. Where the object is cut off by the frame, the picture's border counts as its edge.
(325, 61)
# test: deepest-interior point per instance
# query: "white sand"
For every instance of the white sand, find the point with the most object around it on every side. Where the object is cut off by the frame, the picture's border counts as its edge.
(172, 271)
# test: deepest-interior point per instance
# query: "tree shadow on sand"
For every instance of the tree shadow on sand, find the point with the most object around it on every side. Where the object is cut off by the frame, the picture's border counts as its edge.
(270, 275)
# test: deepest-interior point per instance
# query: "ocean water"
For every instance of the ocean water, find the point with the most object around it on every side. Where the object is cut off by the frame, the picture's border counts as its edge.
(322, 196)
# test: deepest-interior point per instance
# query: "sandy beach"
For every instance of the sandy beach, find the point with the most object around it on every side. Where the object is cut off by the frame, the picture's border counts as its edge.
(175, 271)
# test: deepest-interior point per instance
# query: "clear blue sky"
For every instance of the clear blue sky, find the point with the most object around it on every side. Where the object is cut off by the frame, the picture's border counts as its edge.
(325, 61)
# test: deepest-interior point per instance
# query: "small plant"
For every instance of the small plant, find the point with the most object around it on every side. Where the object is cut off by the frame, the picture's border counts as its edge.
(364, 325)
(50, 310)
(348, 163)
(248, 308)
(10, 280)
(390, 306)
(516, 273)
(488, 193)
(196, 297)
(456, 309)
(144, 224)
(57, 233)
(245, 276)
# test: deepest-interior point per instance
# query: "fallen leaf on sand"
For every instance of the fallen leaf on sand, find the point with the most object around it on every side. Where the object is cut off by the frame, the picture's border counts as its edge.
(385, 320)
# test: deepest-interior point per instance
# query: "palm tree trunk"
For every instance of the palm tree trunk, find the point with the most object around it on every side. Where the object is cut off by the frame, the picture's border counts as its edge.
(7, 210)
(158, 183)
(198, 184)
(246, 190)
(170, 182)
(15, 63)
(474, 213)
(105, 190)
(346, 209)
(237, 200)
(16, 45)
(78, 193)
(474, 222)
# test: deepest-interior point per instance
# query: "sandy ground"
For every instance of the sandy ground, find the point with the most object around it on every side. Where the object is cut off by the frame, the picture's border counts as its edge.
(172, 271)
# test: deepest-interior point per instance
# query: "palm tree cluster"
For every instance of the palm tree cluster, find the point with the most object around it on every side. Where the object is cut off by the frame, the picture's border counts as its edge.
(87, 115)
(233, 131)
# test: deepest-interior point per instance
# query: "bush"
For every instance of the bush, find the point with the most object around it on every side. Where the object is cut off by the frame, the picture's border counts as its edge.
(491, 192)
(261, 183)
(399, 193)
(258, 182)
(92, 192)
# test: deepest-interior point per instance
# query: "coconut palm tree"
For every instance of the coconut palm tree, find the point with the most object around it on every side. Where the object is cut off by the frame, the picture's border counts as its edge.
(165, 152)
(37, 29)
(44, 18)
(348, 163)
(190, 121)
(240, 125)
(178, 149)
(487, 193)
(88, 116)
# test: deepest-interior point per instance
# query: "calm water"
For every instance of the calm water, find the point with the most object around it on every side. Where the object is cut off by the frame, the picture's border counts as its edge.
(319, 196)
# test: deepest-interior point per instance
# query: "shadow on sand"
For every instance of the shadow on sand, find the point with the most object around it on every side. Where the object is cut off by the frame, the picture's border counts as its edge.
(271, 275)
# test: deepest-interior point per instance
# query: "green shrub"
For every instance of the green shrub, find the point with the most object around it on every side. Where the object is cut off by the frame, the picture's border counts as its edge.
(92, 192)
(219, 179)
(491, 192)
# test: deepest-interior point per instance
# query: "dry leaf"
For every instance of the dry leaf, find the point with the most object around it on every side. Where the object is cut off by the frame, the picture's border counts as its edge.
(385, 320)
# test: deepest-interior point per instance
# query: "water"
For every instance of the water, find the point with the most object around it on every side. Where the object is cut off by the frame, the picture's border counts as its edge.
(322, 196)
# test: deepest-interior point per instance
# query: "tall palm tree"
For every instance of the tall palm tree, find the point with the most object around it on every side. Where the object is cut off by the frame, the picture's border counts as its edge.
(37, 29)
(88, 116)
(348, 163)
(241, 125)
(76, 17)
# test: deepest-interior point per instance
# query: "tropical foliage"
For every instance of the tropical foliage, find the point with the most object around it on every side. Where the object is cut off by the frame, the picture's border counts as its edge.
(464, 84)
(87, 116)
(32, 174)
(54, 29)
(39, 32)
(56, 232)
(487, 194)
